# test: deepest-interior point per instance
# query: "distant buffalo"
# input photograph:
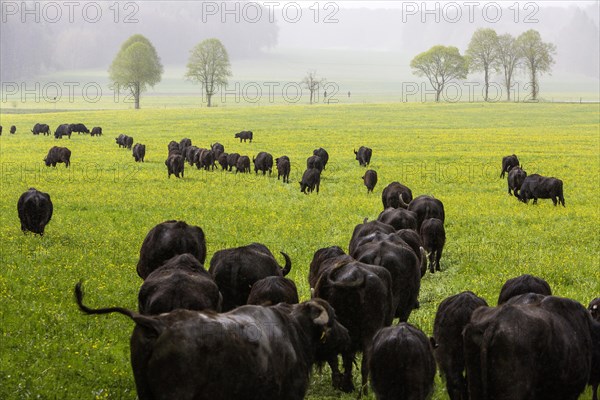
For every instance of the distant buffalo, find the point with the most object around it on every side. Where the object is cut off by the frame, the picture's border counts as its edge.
(242, 165)
(139, 152)
(222, 160)
(393, 193)
(273, 290)
(263, 162)
(0, 130)
(363, 155)
(244, 135)
(96, 131)
(41, 128)
(540, 187)
(508, 163)
(79, 128)
(516, 176)
(58, 155)
(173, 147)
(205, 159)
(62, 130)
(316, 162)
(124, 141)
(323, 155)
(311, 180)
(35, 211)
(13, 130)
(218, 149)
(232, 161)
(283, 168)
(185, 142)
(175, 165)
(370, 180)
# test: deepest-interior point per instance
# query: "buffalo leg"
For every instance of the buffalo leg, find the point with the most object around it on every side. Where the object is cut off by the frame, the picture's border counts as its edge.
(347, 385)
(438, 256)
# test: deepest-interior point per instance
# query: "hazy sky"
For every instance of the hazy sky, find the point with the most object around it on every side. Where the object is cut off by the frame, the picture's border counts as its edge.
(399, 4)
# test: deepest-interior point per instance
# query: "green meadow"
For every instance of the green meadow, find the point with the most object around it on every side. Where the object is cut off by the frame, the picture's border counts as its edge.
(105, 203)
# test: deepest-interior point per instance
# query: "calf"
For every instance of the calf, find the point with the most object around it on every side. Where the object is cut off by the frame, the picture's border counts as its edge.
(370, 180)
(181, 282)
(263, 162)
(283, 168)
(168, 239)
(175, 165)
(508, 163)
(35, 211)
(139, 152)
(363, 155)
(521, 285)
(242, 165)
(235, 270)
(393, 193)
(58, 155)
(433, 236)
(399, 218)
(311, 180)
(401, 363)
(96, 131)
(273, 290)
(250, 353)
(244, 135)
(323, 155)
(516, 176)
(452, 315)
(540, 187)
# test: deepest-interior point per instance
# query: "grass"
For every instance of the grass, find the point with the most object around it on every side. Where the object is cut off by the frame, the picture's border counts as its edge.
(104, 205)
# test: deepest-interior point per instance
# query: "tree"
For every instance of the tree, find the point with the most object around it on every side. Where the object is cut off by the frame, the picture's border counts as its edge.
(209, 66)
(313, 84)
(537, 57)
(508, 59)
(136, 67)
(440, 65)
(482, 54)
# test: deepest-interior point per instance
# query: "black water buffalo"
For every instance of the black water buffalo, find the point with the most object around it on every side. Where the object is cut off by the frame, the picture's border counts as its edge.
(173, 148)
(232, 160)
(139, 152)
(128, 142)
(13, 130)
(206, 159)
(58, 155)
(425, 207)
(120, 140)
(181, 282)
(175, 165)
(516, 176)
(263, 162)
(323, 155)
(361, 295)
(62, 130)
(79, 128)
(363, 155)
(222, 160)
(532, 347)
(594, 308)
(124, 141)
(185, 142)
(35, 211)
(452, 315)
(251, 353)
(167, 240)
(370, 180)
(540, 187)
(401, 363)
(508, 163)
(399, 218)
(391, 195)
(311, 180)
(236, 270)
(315, 162)
(283, 168)
(0, 130)
(242, 165)
(433, 236)
(218, 149)
(41, 128)
(244, 135)
(191, 154)
(521, 285)
(365, 231)
(273, 290)
(96, 131)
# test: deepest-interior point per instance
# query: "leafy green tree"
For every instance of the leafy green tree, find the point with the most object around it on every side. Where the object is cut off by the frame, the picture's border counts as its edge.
(209, 65)
(136, 67)
(440, 65)
(537, 57)
(509, 57)
(482, 54)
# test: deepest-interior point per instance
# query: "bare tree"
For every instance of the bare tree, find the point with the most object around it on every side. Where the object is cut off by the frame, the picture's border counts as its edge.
(313, 84)
(508, 59)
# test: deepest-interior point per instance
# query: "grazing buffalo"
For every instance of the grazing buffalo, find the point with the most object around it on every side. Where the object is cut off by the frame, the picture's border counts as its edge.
(452, 315)
(181, 282)
(183, 144)
(139, 152)
(315, 162)
(508, 163)
(222, 160)
(283, 168)
(594, 308)
(392, 194)
(250, 353)
(540, 187)
(532, 347)
(263, 162)
(242, 165)
(168, 239)
(425, 207)
(13, 130)
(62, 130)
(363, 155)
(361, 295)
(173, 148)
(58, 155)
(273, 290)
(521, 285)
(433, 236)
(516, 176)
(399, 218)
(218, 149)
(311, 180)
(175, 165)
(41, 128)
(96, 131)
(35, 211)
(232, 160)
(206, 159)
(370, 180)
(236, 270)
(323, 155)
(79, 128)
(244, 135)
(401, 363)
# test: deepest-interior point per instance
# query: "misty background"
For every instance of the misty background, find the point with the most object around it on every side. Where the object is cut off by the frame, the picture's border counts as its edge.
(363, 47)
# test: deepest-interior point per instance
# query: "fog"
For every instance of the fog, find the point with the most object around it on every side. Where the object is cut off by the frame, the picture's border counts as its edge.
(50, 38)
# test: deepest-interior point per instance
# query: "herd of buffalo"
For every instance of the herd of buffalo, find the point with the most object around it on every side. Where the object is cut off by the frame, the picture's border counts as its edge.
(238, 330)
